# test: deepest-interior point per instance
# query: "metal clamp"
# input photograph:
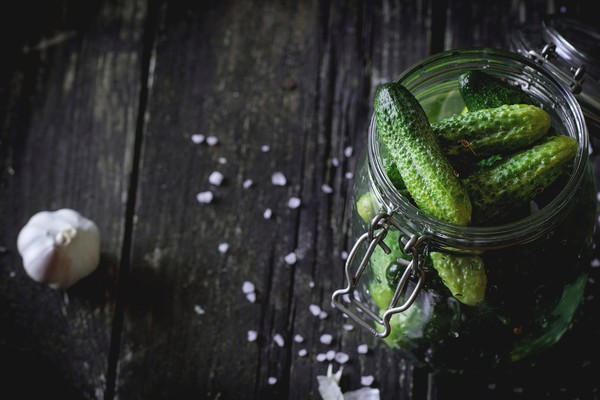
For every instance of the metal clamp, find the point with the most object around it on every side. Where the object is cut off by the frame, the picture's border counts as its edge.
(374, 237)
(549, 53)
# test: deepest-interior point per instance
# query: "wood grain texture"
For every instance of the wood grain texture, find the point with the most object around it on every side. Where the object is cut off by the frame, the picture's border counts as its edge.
(71, 106)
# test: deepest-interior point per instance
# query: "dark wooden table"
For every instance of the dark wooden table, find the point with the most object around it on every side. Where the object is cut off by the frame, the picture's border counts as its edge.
(98, 103)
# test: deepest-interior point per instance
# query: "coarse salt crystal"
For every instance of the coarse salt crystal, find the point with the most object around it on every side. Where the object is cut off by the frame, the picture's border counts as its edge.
(278, 179)
(341, 358)
(294, 202)
(595, 263)
(326, 338)
(223, 247)
(248, 287)
(330, 355)
(349, 175)
(326, 188)
(251, 297)
(247, 183)
(265, 148)
(212, 140)
(344, 255)
(197, 138)
(348, 151)
(272, 380)
(215, 178)
(199, 310)
(367, 380)
(291, 258)
(314, 309)
(302, 352)
(267, 213)
(205, 197)
(222, 160)
(348, 327)
(323, 315)
(321, 357)
(362, 349)
(311, 284)
(298, 338)
(335, 162)
(252, 335)
(279, 340)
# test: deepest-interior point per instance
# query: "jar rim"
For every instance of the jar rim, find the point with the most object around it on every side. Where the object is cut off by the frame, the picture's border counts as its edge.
(447, 234)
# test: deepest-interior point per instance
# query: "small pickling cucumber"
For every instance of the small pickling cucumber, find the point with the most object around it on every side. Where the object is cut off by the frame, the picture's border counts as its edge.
(516, 179)
(481, 90)
(463, 275)
(500, 130)
(403, 127)
(366, 206)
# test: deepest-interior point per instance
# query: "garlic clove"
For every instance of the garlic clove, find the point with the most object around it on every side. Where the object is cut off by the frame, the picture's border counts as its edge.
(59, 247)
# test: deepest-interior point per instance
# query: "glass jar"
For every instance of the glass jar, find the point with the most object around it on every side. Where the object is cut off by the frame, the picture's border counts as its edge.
(535, 267)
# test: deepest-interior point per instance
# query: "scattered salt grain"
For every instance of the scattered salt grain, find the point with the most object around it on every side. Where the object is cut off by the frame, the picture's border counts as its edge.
(348, 327)
(367, 380)
(247, 183)
(252, 335)
(302, 352)
(215, 178)
(278, 179)
(279, 340)
(323, 315)
(248, 287)
(344, 255)
(349, 175)
(265, 148)
(326, 188)
(348, 151)
(272, 380)
(341, 358)
(291, 258)
(598, 196)
(326, 338)
(321, 357)
(197, 138)
(294, 202)
(267, 213)
(311, 284)
(335, 162)
(205, 197)
(251, 297)
(298, 338)
(362, 349)
(330, 355)
(492, 386)
(223, 247)
(314, 310)
(595, 263)
(199, 310)
(212, 140)
(222, 160)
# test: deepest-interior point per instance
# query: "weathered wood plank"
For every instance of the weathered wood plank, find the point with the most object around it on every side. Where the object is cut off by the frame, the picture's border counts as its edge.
(67, 133)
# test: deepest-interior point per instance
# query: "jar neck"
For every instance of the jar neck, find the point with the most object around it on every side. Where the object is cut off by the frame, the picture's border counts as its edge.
(525, 230)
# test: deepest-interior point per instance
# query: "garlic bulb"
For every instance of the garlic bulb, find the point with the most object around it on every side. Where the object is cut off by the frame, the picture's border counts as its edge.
(59, 247)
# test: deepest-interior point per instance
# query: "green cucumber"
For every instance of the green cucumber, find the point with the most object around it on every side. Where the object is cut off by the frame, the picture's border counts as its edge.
(480, 134)
(515, 180)
(463, 275)
(403, 127)
(481, 90)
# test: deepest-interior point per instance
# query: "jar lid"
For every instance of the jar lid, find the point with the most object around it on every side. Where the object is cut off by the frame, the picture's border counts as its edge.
(570, 49)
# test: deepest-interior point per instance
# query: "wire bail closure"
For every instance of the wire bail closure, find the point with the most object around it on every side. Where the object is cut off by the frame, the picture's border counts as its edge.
(362, 314)
(549, 53)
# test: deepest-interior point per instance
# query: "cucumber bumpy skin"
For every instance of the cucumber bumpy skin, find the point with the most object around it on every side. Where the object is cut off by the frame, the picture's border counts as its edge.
(403, 127)
(500, 130)
(481, 90)
(515, 180)
(463, 275)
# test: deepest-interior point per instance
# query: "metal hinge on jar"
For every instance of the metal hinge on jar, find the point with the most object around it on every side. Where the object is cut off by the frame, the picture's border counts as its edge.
(362, 313)
(545, 58)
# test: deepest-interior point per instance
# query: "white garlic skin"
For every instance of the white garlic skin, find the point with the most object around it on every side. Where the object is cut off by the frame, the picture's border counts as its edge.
(59, 247)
